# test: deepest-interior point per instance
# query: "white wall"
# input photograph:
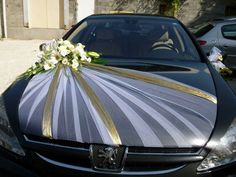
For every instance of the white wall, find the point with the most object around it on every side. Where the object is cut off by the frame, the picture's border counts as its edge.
(1, 25)
(85, 8)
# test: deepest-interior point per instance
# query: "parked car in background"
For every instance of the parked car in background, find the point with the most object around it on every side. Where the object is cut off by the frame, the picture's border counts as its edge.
(170, 113)
(220, 33)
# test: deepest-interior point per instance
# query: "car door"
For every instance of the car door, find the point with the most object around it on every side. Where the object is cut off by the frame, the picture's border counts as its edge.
(227, 43)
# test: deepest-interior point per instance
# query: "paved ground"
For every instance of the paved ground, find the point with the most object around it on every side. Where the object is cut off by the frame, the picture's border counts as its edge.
(17, 55)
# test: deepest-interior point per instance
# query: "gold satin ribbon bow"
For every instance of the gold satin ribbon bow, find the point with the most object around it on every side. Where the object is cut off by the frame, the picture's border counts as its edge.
(104, 115)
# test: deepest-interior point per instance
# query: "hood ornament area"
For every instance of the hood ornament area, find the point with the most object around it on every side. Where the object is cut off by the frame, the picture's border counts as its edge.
(107, 158)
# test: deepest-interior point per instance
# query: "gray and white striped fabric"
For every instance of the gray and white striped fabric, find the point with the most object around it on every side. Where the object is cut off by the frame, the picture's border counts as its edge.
(144, 114)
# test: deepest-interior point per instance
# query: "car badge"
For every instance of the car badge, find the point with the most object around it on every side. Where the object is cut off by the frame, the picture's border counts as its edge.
(107, 158)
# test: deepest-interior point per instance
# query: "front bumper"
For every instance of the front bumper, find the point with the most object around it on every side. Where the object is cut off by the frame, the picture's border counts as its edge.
(36, 165)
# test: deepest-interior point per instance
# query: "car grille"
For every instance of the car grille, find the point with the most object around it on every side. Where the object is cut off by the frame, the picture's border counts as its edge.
(137, 160)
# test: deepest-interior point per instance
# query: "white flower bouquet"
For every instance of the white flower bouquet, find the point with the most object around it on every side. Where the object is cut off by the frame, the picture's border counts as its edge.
(65, 53)
(216, 60)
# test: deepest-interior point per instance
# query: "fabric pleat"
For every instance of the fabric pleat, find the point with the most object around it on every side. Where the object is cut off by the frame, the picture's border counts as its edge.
(95, 106)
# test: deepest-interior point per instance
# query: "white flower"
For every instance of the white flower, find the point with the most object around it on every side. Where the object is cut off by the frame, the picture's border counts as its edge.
(63, 50)
(65, 61)
(53, 60)
(47, 66)
(80, 48)
(67, 43)
(81, 45)
(83, 57)
(75, 65)
(47, 48)
(71, 47)
(53, 44)
(34, 65)
(54, 53)
(74, 61)
(75, 57)
(60, 41)
(40, 54)
(89, 59)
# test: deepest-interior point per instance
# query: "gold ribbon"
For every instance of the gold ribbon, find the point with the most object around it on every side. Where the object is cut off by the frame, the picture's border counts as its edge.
(152, 80)
(107, 120)
(47, 114)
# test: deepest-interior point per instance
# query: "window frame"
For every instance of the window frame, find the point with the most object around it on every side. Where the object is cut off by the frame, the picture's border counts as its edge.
(222, 32)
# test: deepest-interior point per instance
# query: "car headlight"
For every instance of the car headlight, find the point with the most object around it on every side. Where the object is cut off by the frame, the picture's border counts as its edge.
(8, 139)
(223, 152)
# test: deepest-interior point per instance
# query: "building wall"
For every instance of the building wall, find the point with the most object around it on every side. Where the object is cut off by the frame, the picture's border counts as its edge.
(194, 12)
(103, 6)
(71, 12)
(15, 24)
(191, 12)
(132, 6)
(14, 13)
(46, 14)
(1, 25)
(85, 8)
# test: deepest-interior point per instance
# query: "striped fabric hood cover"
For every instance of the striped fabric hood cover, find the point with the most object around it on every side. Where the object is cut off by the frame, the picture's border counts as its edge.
(142, 114)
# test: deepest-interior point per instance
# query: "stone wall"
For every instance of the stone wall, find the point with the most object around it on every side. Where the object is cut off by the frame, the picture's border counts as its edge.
(134, 6)
(14, 12)
(103, 6)
(71, 12)
(193, 12)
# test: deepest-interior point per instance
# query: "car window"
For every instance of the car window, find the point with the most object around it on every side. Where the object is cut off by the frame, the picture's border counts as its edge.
(135, 38)
(229, 31)
(203, 29)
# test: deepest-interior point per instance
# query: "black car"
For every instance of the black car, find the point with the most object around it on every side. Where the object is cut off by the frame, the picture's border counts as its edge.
(171, 114)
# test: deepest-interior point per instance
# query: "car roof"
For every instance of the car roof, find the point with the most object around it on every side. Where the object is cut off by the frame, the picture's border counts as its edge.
(127, 15)
(224, 19)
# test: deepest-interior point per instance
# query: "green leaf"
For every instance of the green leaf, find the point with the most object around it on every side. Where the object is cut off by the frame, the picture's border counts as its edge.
(100, 61)
(93, 54)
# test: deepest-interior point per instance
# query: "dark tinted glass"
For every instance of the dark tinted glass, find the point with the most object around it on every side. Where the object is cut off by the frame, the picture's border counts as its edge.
(135, 38)
(203, 30)
(229, 31)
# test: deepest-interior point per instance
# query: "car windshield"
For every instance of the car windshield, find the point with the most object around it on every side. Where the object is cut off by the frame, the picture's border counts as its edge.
(135, 38)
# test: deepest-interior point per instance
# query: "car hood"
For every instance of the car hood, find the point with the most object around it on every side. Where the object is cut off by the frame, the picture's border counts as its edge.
(121, 106)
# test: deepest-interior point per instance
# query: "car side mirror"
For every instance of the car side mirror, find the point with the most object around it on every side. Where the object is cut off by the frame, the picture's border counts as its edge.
(42, 46)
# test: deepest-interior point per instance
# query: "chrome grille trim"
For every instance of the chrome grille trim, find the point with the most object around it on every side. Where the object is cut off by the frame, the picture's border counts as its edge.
(73, 167)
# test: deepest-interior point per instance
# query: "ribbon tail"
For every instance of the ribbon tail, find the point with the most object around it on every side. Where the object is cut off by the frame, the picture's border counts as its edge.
(104, 115)
(153, 80)
(47, 114)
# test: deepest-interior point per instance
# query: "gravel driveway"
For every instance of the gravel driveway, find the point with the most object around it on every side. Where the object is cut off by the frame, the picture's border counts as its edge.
(15, 57)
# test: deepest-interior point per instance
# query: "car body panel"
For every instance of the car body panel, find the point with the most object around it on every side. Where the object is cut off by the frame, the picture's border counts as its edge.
(228, 46)
(211, 38)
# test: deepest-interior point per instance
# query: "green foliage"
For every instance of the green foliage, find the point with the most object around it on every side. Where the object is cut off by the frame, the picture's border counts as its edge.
(174, 2)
